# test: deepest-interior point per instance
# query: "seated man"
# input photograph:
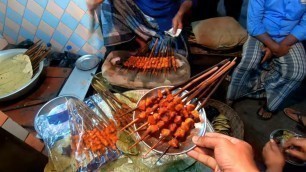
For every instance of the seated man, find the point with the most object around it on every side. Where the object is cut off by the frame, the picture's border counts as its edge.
(126, 20)
(273, 60)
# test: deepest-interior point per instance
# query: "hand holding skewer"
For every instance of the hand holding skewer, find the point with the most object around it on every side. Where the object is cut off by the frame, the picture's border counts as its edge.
(183, 106)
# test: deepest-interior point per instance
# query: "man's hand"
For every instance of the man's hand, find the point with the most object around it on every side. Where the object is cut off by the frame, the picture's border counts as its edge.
(267, 56)
(93, 4)
(277, 49)
(221, 152)
(299, 153)
(280, 50)
(273, 157)
(177, 22)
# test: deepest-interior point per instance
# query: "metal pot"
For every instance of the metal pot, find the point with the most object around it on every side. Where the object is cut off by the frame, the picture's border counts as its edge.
(28, 86)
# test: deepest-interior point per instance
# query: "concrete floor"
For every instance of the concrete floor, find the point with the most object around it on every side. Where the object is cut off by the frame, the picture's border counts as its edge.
(257, 131)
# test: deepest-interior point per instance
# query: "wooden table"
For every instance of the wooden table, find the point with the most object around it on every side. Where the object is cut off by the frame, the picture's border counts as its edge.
(24, 109)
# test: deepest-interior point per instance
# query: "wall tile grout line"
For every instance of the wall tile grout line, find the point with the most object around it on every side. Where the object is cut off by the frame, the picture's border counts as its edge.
(60, 19)
(25, 7)
(40, 19)
(85, 40)
(6, 5)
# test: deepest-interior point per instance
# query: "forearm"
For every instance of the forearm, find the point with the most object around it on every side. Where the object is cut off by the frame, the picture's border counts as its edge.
(185, 7)
(267, 41)
(289, 40)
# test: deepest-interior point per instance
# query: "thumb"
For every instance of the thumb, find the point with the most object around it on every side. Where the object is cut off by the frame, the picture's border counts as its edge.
(274, 146)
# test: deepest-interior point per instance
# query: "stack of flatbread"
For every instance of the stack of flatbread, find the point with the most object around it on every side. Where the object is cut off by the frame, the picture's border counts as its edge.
(15, 72)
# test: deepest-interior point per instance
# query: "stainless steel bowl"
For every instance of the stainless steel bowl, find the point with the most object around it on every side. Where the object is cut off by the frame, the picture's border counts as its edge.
(56, 109)
(278, 136)
(186, 145)
(28, 86)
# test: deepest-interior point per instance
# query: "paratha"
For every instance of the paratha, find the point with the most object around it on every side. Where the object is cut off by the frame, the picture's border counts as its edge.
(15, 72)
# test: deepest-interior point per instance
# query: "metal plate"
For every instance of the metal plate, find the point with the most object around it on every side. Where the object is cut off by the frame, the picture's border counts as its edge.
(51, 121)
(87, 62)
(28, 86)
(186, 145)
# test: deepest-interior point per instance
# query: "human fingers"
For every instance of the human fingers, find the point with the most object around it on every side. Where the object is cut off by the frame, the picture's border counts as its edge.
(218, 135)
(180, 25)
(266, 149)
(273, 146)
(267, 146)
(296, 142)
(205, 159)
(265, 57)
(204, 151)
(207, 141)
(174, 25)
(296, 153)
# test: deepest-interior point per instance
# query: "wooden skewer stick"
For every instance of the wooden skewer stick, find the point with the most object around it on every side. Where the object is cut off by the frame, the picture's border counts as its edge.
(35, 45)
(211, 79)
(143, 138)
(166, 150)
(212, 92)
(201, 73)
(191, 91)
(129, 111)
(203, 93)
(207, 90)
(204, 75)
(151, 54)
(104, 117)
(154, 146)
(112, 89)
(143, 125)
(132, 122)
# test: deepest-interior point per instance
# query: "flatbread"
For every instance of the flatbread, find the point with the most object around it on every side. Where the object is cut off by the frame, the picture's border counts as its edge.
(15, 72)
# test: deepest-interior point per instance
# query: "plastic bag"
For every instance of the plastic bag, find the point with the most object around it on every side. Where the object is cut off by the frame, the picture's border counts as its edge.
(93, 138)
(64, 128)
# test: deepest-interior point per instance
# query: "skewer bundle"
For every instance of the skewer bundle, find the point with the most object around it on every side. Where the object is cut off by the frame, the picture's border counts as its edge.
(91, 135)
(37, 53)
(170, 116)
(118, 108)
(153, 63)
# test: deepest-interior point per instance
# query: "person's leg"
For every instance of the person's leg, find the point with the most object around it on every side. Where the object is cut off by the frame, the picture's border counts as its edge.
(286, 76)
(247, 72)
(296, 116)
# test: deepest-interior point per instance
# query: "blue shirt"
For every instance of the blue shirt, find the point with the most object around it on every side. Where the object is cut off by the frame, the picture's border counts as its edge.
(162, 11)
(278, 18)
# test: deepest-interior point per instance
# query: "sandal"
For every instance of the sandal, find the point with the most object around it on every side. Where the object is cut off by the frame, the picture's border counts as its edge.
(261, 111)
(296, 116)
